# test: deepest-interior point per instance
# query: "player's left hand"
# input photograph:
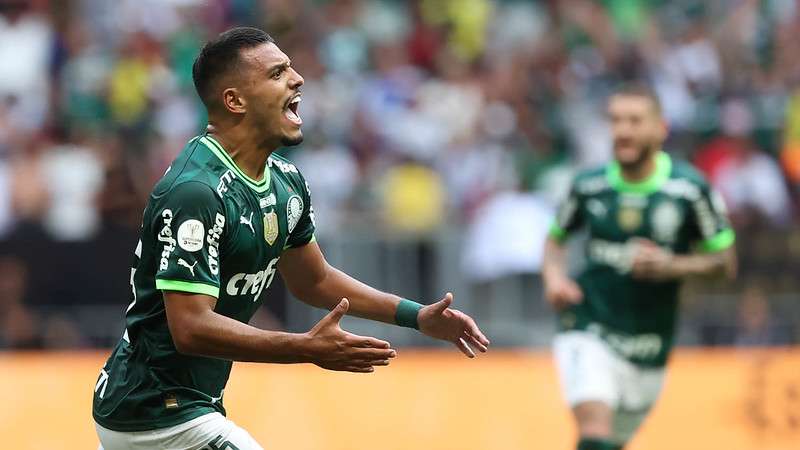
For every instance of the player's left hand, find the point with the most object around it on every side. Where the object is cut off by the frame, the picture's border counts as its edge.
(441, 322)
(652, 262)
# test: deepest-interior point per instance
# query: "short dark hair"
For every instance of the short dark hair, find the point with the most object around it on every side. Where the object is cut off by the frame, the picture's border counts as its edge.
(636, 89)
(220, 55)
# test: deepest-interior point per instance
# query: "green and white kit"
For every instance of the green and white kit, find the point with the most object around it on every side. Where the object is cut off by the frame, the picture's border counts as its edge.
(208, 229)
(612, 347)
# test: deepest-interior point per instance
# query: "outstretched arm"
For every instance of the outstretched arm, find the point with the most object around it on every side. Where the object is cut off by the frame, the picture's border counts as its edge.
(311, 279)
(197, 329)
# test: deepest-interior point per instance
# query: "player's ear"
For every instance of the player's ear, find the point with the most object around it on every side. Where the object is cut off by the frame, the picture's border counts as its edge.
(233, 101)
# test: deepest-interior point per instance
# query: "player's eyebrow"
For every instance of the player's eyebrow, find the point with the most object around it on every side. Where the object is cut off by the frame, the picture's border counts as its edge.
(280, 65)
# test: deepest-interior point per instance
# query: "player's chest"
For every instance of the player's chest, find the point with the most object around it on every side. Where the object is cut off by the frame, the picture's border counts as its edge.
(259, 224)
(618, 216)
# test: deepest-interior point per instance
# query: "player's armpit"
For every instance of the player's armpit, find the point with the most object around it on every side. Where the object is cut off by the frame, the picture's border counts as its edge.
(185, 312)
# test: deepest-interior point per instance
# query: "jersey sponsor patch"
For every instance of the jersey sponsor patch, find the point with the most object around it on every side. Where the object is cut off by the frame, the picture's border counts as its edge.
(270, 227)
(268, 201)
(190, 235)
(596, 208)
(252, 283)
(294, 209)
(629, 218)
(666, 220)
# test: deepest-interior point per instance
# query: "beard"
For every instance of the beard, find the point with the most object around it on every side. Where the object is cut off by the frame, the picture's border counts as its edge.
(289, 141)
(645, 151)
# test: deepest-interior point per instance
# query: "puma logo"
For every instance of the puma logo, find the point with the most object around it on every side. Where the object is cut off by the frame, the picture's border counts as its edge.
(248, 222)
(183, 263)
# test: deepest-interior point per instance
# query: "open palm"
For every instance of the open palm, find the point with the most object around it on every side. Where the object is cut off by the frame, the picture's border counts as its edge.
(441, 322)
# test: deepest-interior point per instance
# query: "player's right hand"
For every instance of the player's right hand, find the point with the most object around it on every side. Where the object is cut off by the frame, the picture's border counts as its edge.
(561, 291)
(335, 349)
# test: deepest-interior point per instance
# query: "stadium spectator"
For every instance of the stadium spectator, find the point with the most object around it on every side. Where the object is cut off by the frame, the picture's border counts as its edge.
(485, 94)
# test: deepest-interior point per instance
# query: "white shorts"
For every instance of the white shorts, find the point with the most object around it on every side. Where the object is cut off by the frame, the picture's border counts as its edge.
(590, 370)
(208, 432)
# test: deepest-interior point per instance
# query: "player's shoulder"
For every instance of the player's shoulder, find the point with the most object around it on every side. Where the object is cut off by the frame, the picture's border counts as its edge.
(283, 168)
(685, 180)
(685, 170)
(194, 174)
(591, 180)
(281, 164)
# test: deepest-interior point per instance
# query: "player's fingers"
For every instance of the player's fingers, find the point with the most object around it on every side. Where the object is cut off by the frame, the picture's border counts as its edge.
(475, 332)
(443, 304)
(368, 342)
(338, 312)
(474, 342)
(359, 369)
(369, 354)
(465, 349)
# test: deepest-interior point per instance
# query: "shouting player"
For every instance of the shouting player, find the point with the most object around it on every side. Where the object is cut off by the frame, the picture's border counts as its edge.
(651, 222)
(226, 215)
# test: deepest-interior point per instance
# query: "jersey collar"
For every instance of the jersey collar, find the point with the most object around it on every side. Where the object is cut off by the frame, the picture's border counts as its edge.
(215, 147)
(646, 186)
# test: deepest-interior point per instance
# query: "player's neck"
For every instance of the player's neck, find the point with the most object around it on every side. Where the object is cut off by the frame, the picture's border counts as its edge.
(641, 171)
(249, 154)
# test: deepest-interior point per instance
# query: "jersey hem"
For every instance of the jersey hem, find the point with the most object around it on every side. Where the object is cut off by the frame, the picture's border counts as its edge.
(147, 425)
(186, 286)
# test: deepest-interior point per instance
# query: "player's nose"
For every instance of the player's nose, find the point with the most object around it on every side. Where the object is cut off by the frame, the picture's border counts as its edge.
(296, 80)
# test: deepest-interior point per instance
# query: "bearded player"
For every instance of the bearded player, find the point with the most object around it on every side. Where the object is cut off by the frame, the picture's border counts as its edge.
(226, 215)
(652, 221)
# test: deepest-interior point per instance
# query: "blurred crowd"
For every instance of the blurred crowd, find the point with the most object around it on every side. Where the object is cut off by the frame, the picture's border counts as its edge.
(421, 117)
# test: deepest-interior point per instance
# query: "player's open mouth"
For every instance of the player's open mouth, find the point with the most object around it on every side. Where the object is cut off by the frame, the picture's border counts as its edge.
(290, 110)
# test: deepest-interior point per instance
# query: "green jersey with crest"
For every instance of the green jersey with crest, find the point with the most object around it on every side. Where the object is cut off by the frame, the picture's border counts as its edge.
(208, 229)
(676, 209)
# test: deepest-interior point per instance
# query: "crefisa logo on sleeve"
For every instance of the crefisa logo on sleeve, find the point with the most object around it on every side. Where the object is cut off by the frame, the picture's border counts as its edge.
(213, 238)
(165, 236)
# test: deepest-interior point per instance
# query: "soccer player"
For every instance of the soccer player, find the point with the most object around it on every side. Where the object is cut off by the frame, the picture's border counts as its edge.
(226, 215)
(651, 222)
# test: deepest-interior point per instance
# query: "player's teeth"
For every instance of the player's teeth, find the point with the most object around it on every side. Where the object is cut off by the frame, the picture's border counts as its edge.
(291, 115)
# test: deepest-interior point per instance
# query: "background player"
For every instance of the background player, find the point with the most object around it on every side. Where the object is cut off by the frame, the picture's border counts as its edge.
(226, 216)
(651, 222)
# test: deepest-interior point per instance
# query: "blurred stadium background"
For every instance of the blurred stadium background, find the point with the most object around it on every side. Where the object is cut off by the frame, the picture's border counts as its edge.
(440, 134)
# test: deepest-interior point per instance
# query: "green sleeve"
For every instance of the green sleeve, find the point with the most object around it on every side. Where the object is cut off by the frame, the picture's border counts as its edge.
(569, 216)
(712, 228)
(188, 224)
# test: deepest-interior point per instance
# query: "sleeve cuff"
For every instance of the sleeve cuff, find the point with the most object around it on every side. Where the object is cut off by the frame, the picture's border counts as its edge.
(313, 239)
(557, 233)
(186, 286)
(719, 242)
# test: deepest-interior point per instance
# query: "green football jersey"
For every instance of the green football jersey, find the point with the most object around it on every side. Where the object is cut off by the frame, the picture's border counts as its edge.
(676, 209)
(208, 229)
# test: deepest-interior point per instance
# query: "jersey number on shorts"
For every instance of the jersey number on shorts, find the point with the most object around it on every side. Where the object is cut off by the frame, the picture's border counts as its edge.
(219, 443)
